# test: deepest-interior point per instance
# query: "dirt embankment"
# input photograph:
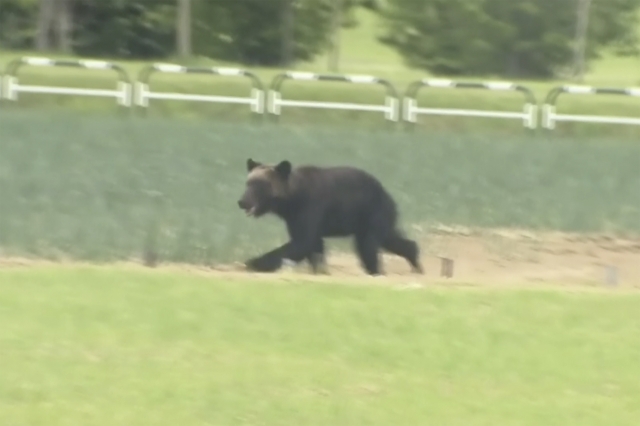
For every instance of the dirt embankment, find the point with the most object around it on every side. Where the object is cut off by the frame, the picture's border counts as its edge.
(495, 257)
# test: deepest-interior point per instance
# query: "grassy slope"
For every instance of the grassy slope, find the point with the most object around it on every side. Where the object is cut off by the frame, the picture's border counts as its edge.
(96, 188)
(103, 347)
(117, 346)
(361, 53)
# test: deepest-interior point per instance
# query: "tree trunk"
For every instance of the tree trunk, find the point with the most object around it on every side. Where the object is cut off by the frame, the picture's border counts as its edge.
(287, 32)
(582, 26)
(64, 20)
(183, 28)
(45, 22)
(334, 55)
(513, 68)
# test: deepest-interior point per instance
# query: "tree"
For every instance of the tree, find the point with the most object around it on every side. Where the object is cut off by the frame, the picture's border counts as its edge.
(141, 29)
(509, 37)
(343, 16)
(255, 31)
(582, 25)
(334, 54)
(287, 37)
(183, 28)
(63, 19)
(258, 32)
(46, 14)
(115, 28)
(18, 23)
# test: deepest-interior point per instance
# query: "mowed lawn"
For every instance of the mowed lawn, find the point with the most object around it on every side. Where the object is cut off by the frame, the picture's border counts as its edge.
(125, 346)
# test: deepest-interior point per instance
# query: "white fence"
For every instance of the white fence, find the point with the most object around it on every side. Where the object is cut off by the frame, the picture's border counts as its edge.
(550, 117)
(390, 108)
(528, 115)
(393, 109)
(143, 94)
(12, 86)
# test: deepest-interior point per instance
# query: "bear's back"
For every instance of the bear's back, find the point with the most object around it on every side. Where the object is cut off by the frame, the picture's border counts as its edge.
(335, 181)
(346, 195)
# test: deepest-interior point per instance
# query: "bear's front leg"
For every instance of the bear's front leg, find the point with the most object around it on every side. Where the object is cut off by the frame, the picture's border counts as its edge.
(267, 262)
(317, 259)
(297, 250)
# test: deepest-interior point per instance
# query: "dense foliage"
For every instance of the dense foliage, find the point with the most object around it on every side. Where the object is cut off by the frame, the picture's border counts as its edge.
(456, 37)
(512, 37)
(252, 31)
(249, 31)
(116, 28)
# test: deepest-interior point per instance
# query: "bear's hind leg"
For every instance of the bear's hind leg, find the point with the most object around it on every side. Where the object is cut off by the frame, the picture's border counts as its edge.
(406, 248)
(367, 249)
(317, 259)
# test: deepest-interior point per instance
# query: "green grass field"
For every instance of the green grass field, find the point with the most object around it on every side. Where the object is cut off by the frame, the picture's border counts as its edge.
(98, 188)
(119, 344)
(361, 54)
(104, 346)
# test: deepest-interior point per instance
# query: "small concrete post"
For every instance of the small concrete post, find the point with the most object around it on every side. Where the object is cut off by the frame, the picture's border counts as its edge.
(446, 267)
(611, 275)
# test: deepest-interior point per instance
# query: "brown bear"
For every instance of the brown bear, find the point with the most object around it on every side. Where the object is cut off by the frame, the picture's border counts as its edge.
(317, 202)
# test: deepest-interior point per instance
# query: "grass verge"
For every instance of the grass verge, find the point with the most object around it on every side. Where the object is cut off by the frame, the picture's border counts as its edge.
(109, 189)
(104, 346)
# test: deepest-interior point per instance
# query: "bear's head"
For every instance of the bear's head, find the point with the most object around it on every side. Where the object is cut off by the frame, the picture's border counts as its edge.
(266, 185)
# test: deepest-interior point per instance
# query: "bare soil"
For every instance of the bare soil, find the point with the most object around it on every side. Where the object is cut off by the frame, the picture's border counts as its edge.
(491, 258)
(520, 257)
(510, 257)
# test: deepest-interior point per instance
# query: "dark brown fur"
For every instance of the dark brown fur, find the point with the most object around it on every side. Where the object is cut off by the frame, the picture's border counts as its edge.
(318, 202)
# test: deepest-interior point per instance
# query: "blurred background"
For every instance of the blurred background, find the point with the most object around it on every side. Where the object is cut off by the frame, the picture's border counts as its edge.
(194, 342)
(509, 38)
(103, 188)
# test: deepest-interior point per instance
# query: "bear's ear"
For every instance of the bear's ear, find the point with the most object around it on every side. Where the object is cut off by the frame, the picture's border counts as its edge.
(284, 169)
(251, 164)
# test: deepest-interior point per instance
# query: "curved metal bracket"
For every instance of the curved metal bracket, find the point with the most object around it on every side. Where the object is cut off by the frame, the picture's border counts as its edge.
(528, 116)
(143, 94)
(390, 109)
(12, 87)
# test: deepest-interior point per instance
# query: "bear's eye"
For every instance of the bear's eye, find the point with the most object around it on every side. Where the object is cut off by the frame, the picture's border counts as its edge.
(258, 185)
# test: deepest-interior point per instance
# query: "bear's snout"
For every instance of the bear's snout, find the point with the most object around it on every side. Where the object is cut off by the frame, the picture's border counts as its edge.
(247, 207)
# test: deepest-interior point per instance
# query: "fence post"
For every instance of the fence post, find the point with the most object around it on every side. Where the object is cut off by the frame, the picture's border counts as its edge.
(411, 109)
(550, 117)
(144, 94)
(390, 108)
(12, 87)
